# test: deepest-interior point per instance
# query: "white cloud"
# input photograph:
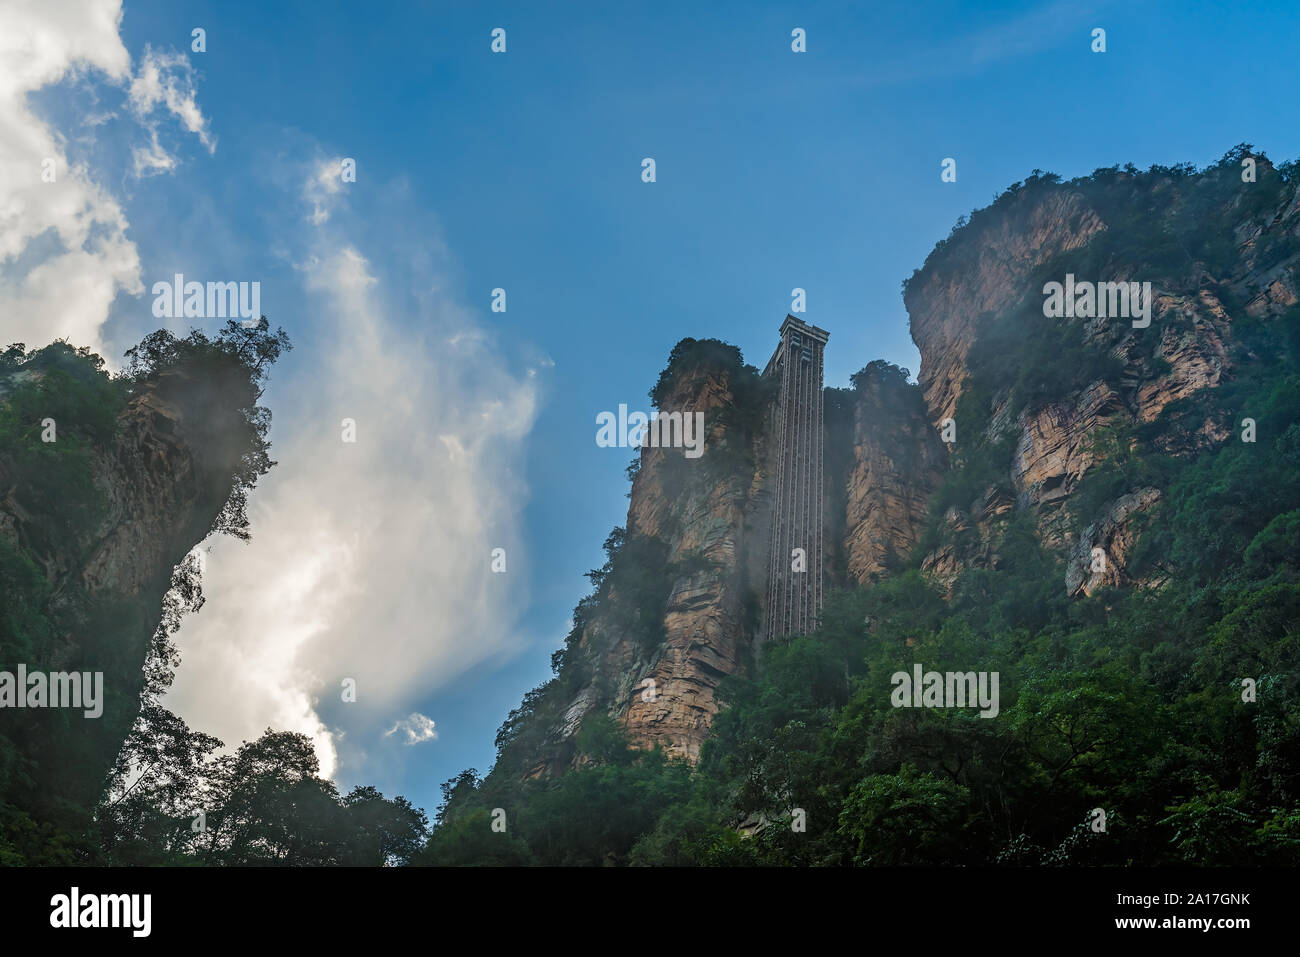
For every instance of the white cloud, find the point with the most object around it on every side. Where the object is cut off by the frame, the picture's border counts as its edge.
(322, 188)
(152, 159)
(64, 251)
(416, 727)
(43, 40)
(372, 560)
(166, 80)
(72, 231)
(1036, 30)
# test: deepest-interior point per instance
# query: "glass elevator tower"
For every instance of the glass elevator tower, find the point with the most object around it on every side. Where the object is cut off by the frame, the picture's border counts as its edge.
(794, 586)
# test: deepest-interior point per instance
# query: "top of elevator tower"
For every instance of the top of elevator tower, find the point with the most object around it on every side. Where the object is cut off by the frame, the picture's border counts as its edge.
(799, 332)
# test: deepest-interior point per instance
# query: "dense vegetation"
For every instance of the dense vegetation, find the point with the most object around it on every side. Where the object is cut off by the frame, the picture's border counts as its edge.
(266, 804)
(64, 797)
(1196, 207)
(1131, 702)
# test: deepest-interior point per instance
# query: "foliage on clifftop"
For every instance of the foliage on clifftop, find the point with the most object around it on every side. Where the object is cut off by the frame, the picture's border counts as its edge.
(1193, 201)
(231, 368)
(689, 355)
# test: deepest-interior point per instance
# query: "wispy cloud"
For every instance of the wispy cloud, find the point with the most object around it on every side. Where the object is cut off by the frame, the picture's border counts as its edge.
(370, 560)
(322, 187)
(166, 81)
(1031, 32)
(416, 727)
(1035, 31)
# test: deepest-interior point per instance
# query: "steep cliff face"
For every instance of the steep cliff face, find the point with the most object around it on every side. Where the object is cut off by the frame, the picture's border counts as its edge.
(707, 515)
(1098, 558)
(988, 280)
(164, 478)
(944, 305)
(105, 486)
(897, 461)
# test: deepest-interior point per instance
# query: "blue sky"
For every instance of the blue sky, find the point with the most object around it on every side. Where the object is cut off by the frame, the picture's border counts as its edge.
(522, 170)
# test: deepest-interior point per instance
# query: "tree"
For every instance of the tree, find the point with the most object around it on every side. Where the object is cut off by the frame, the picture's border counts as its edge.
(382, 832)
(160, 781)
(904, 818)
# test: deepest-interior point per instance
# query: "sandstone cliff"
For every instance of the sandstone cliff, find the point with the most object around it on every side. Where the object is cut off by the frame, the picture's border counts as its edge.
(897, 462)
(1038, 407)
(707, 513)
(998, 262)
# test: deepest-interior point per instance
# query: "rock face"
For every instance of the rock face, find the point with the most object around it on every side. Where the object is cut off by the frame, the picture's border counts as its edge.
(166, 478)
(1052, 452)
(710, 520)
(163, 477)
(1102, 551)
(884, 457)
(897, 462)
(945, 304)
(712, 515)
(1184, 350)
(706, 630)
